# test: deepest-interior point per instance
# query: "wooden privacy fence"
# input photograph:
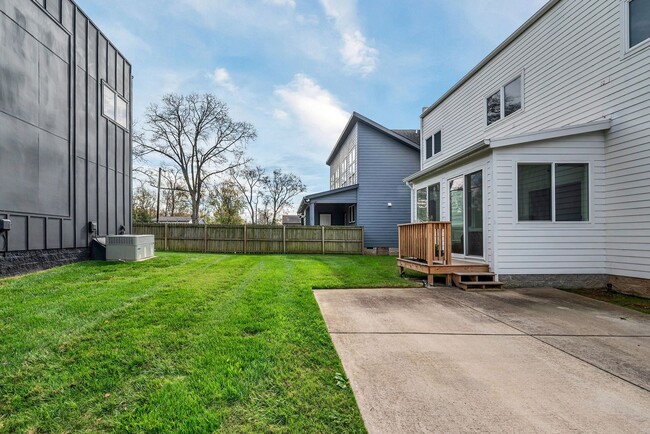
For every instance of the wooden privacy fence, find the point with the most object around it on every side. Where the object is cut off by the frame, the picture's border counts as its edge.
(254, 238)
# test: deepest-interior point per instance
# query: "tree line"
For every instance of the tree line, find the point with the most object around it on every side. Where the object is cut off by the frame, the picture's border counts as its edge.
(204, 171)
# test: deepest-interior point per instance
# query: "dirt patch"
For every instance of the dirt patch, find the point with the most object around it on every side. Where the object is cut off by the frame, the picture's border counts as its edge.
(632, 302)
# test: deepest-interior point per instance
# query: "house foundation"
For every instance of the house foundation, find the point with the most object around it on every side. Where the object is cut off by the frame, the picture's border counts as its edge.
(14, 263)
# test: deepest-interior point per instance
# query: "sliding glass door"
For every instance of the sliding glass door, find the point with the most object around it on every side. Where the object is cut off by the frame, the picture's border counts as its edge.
(466, 214)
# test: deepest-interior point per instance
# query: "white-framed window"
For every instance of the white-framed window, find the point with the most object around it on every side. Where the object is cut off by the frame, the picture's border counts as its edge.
(553, 192)
(505, 101)
(637, 23)
(352, 214)
(114, 107)
(433, 145)
(428, 203)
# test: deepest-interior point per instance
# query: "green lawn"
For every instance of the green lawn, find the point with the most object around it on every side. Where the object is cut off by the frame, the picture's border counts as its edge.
(182, 343)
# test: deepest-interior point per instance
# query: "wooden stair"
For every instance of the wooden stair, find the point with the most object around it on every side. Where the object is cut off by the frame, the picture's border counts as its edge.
(476, 281)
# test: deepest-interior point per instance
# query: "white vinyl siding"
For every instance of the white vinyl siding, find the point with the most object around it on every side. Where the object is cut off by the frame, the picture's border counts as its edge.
(550, 247)
(575, 71)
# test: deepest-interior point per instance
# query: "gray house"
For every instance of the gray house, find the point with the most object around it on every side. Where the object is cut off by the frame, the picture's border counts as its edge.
(367, 166)
(65, 142)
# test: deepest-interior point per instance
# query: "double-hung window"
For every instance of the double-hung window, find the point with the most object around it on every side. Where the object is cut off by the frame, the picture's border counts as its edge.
(504, 102)
(553, 192)
(637, 17)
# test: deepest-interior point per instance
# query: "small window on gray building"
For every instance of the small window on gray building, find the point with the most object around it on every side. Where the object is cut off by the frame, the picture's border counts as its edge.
(352, 214)
(429, 147)
(638, 21)
(114, 107)
(437, 142)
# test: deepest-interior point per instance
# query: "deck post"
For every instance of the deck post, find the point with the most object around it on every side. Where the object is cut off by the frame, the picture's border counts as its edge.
(429, 241)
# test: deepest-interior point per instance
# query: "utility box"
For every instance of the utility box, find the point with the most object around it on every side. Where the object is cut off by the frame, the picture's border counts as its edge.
(129, 247)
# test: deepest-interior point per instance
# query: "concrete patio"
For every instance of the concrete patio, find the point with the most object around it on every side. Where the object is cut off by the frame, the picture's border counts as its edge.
(536, 360)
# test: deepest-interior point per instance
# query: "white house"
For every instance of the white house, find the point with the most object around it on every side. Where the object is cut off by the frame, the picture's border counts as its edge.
(540, 156)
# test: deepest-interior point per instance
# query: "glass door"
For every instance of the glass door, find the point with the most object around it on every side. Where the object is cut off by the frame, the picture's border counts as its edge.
(474, 217)
(457, 215)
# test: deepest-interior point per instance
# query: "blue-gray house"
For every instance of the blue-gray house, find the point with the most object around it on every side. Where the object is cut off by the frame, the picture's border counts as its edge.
(367, 166)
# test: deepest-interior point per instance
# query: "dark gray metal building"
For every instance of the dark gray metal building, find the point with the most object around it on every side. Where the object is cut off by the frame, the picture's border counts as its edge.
(65, 142)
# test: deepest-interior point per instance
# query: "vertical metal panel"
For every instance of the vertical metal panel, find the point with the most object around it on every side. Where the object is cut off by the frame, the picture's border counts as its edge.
(18, 234)
(81, 40)
(119, 159)
(102, 197)
(68, 233)
(102, 47)
(119, 75)
(81, 225)
(81, 122)
(67, 14)
(91, 123)
(53, 233)
(37, 233)
(110, 145)
(92, 50)
(101, 137)
(54, 7)
(110, 66)
(111, 212)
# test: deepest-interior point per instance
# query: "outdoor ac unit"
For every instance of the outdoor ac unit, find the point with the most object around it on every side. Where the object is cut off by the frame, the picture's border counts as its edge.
(129, 247)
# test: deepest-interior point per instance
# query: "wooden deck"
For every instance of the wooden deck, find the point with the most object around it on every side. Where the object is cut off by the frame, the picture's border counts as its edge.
(426, 248)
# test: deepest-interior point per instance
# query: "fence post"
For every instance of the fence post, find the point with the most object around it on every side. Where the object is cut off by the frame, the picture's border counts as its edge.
(284, 239)
(245, 241)
(363, 239)
(322, 235)
(205, 238)
(166, 236)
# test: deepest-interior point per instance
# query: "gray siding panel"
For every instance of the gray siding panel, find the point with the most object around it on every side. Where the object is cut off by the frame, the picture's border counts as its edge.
(53, 174)
(382, 165)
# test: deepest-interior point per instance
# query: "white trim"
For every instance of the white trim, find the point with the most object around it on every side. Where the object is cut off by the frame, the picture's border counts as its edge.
(627, 50)
(569, 130)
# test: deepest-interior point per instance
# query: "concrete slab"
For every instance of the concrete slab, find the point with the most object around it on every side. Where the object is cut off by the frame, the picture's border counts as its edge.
(442, 360)
(402, 311)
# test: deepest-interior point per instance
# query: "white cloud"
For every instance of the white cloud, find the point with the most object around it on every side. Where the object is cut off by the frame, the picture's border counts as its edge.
(289, 3)
(318, 112)
(221, 77)
(280, 115)
(356, 53)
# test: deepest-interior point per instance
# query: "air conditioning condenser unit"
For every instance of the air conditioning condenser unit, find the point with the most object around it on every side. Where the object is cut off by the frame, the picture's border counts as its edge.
(129, 247)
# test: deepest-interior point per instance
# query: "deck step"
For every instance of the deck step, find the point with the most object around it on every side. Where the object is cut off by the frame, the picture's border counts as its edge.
(479, 281)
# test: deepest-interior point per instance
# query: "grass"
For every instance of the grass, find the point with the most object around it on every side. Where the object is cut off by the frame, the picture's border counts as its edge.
(186, 343)
(630, 301)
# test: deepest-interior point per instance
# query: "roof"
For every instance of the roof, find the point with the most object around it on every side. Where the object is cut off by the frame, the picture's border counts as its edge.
(412, 135)
(532, 20)
(306, 199)
(356, 117)
(518, 139)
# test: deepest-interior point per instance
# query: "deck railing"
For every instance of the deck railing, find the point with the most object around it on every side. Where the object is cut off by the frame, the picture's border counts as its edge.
(428, 242)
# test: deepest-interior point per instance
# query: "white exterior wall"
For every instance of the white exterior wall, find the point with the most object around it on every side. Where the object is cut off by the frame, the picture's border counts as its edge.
(542, 247)
(575, 70)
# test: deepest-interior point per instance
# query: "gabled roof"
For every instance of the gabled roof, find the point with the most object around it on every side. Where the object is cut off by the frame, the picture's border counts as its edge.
(402, 137)
(532, 20)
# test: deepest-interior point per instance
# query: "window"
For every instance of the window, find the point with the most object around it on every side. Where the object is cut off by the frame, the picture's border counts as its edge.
(638, 21)
(429, 147)
(505, 101)
(542, 188)
(428, 204)
(433, 202)
(437, 142)
(114, 107)
(422, 205)
(352, 214)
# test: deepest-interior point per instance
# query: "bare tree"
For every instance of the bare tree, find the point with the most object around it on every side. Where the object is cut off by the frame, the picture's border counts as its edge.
(144, 205)
(250, 181)
(175, 195)
(280, 189)
(195, 134)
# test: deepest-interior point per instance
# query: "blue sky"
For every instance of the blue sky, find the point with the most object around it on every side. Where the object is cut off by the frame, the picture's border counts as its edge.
(296, 69)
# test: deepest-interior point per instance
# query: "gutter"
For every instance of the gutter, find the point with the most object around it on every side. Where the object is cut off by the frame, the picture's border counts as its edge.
(478, 147)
